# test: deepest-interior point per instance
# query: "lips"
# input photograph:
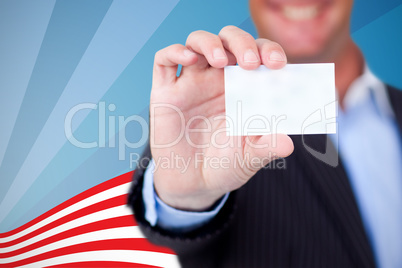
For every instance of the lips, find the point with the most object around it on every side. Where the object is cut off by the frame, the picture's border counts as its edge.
(298, 10)
(298, 13)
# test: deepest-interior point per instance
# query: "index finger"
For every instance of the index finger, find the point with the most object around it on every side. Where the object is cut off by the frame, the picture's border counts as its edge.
(242, 45)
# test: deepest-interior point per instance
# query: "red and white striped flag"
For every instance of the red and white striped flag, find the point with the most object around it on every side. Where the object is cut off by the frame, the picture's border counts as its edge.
(93, 229)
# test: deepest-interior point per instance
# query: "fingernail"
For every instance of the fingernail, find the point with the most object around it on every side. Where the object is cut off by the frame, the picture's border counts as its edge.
(276, 56)
(250, 57)
(218, 54)
(188, 53)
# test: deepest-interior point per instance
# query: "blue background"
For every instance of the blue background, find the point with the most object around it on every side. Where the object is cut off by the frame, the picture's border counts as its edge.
(55, 55)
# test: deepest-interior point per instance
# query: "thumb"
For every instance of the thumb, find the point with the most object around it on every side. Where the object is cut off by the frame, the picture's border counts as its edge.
(260, 150)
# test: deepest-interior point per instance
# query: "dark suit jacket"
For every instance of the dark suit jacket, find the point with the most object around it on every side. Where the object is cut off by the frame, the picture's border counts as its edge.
(302, 216)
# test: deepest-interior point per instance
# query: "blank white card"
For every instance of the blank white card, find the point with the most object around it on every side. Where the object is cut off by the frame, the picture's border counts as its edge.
(297, 99)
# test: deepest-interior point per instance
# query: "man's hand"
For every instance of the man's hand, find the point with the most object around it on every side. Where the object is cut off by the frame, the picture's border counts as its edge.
(187, 116)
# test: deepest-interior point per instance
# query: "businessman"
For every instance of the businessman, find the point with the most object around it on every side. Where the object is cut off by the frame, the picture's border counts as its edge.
(311, 210)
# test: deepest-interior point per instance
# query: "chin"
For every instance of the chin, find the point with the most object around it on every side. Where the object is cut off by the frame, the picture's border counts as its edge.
(308, 55)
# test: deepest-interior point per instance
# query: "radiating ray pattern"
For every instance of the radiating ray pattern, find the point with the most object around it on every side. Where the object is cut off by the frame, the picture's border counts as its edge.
(85, 84)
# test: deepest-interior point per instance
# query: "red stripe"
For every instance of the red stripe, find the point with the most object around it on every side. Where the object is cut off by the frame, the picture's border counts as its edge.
(102, 264)
(105, 204)
(122, 221)
(111, 244)
(92, 191)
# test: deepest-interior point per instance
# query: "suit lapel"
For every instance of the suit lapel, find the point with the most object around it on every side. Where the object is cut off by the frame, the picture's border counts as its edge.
(395, 98)
(333, 188)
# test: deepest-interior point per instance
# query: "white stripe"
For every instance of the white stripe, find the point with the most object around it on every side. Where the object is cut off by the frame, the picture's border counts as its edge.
(109, 193)
(109, 213)
(115, 233)
(132, 256)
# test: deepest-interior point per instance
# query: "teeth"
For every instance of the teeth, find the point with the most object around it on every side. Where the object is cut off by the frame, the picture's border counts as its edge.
(300, 13)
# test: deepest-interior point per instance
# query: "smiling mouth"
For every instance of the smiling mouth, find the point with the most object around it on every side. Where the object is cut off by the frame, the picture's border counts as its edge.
(299, 10)
(299, 13)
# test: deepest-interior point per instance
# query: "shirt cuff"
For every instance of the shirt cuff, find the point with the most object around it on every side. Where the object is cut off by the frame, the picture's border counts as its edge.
(160, 214)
